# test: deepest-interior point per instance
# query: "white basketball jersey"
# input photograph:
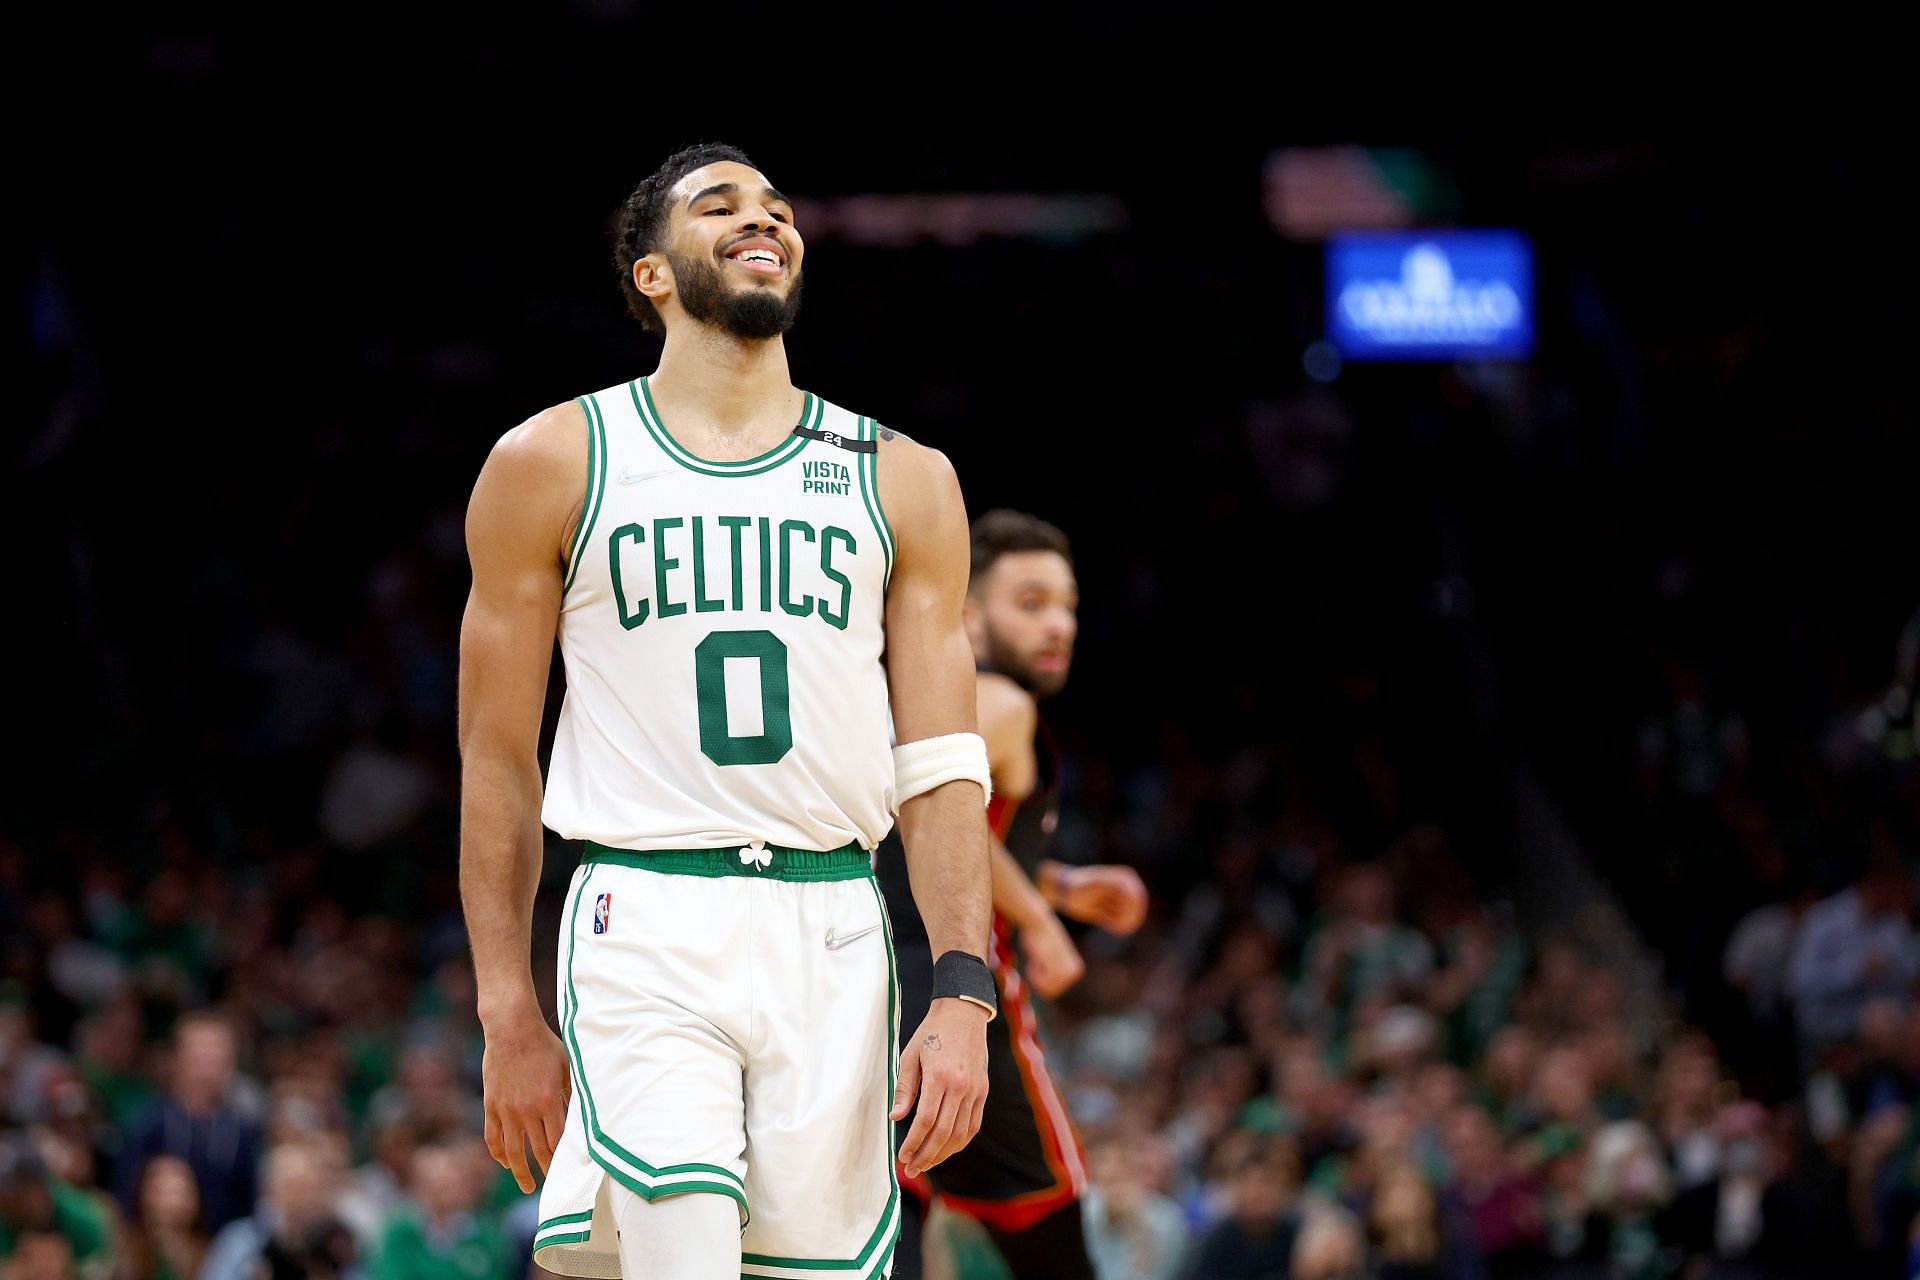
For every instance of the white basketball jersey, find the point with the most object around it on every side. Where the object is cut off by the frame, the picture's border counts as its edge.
(721, 629)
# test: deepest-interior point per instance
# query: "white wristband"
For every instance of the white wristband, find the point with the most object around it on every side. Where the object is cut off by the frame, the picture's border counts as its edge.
(921, 766)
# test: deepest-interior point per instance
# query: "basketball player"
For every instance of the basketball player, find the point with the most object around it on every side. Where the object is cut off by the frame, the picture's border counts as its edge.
(1023, 1175)
(719, 1100)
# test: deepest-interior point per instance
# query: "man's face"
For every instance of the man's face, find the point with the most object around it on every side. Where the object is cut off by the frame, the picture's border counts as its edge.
(206, 1059)
(297, 1188)
(1022, 619)
(733, 255)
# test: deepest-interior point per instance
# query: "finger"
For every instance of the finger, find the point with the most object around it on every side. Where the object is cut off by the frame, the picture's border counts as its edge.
(977, 1116)
(923, 1118)
(515, 1137)
(494, 1145)
(909, 1083)
(546, 1138)
(940, 1139)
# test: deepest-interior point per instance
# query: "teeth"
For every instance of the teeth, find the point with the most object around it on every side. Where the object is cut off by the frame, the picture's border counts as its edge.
(758, 255)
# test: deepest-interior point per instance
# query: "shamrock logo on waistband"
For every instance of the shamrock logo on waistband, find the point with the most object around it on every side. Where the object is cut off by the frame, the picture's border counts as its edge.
(756, 855)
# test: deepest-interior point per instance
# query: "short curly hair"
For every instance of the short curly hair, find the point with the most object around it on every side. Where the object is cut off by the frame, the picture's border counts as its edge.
(1003, 532)
(643, 219)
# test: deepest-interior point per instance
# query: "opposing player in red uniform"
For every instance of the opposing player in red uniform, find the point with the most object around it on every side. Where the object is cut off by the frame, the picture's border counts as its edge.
(1024, 1172)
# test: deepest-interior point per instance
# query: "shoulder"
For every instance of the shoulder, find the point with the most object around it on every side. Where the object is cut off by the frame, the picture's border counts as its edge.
(910, 464)
(548, 441)
(1005, 703)
(1007, 718)
(919, 490)
(542, 458)
(533, 483)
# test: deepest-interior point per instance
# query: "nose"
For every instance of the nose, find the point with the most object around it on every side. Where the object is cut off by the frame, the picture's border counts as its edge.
(755, 216)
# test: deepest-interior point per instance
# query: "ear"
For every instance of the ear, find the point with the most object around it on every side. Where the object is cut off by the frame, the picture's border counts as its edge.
(974, 618)
(653, 277)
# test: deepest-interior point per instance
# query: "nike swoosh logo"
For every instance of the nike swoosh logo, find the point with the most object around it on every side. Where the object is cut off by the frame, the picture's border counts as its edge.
(635, 477)
(835, 943)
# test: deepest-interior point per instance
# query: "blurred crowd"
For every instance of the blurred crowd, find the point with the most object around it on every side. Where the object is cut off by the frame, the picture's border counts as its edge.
(1308, 1065)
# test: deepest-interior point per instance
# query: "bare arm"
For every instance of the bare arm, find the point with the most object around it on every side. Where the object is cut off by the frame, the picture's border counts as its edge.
(522, 510)
(1007, 721)
(931, 686)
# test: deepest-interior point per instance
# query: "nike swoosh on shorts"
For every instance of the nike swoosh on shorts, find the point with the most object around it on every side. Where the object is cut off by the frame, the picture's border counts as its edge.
(835, 943)
(635, 477)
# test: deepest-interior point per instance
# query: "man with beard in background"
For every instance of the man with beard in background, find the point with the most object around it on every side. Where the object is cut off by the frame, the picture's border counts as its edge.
(1023, 1175)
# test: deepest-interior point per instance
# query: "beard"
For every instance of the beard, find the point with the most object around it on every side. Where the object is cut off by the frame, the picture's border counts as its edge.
(1002, 658)
(754, 314)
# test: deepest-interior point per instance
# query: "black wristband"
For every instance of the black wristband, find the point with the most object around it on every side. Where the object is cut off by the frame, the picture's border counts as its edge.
(966, 976)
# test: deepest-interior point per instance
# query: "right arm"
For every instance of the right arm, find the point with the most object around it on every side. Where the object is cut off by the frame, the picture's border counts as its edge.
(518, 526)
(1007, 722)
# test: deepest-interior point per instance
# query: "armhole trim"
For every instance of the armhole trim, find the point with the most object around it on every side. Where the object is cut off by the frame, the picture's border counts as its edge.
(596, 485)
(870, 490)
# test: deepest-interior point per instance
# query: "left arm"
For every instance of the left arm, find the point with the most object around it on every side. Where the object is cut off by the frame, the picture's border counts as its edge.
(930, 684)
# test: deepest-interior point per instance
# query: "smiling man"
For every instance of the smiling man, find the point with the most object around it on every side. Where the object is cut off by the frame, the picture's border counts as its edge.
(747, 582)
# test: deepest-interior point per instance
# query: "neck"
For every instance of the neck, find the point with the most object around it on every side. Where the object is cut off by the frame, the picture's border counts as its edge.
(726, 381)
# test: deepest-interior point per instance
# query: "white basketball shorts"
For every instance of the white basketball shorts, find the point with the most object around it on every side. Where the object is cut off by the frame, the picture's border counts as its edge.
(731, 1016)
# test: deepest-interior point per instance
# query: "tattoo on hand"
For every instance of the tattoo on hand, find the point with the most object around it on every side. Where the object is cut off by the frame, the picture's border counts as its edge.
(932, 1041)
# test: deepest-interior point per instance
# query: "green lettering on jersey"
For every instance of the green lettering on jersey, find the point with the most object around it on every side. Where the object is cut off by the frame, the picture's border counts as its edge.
(663, 562)
(779, 547)
(837, 618)
(804, 606)
(700, 602)
(734, 525)
(638, 614)
(766, 565)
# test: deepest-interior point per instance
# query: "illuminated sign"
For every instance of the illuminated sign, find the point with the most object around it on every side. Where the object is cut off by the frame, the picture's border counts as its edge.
(1444, 295)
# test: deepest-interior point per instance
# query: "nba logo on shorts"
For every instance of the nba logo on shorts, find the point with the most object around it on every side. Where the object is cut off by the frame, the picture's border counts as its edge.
(602, 908)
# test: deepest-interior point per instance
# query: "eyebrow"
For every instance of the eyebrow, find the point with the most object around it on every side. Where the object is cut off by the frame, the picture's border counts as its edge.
(733, 188)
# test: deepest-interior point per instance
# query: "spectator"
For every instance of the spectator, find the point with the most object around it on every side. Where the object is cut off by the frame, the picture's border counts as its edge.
(42, 1255)
(379, 1184)
(439, 1233)
(201, 1120)
(1627, 1183)
(1361, 953)
(1329, 1246)
(44, 1222)
(1745, 1223)
(1853, 946)
(295, 1232)
(1502, 1203)
(1133, 1232)
(1255, 1241)
(1760, 949)
(1408, 1242)
(165, 1240)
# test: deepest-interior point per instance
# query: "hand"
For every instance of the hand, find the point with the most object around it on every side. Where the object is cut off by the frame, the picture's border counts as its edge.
(1111, 897)
(525, 1088)
(1053, 962)
(946, 1065)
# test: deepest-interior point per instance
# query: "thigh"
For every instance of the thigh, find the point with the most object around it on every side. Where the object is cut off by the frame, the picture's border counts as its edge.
(687, 1237)
(652, 1006)
(820, 1076)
